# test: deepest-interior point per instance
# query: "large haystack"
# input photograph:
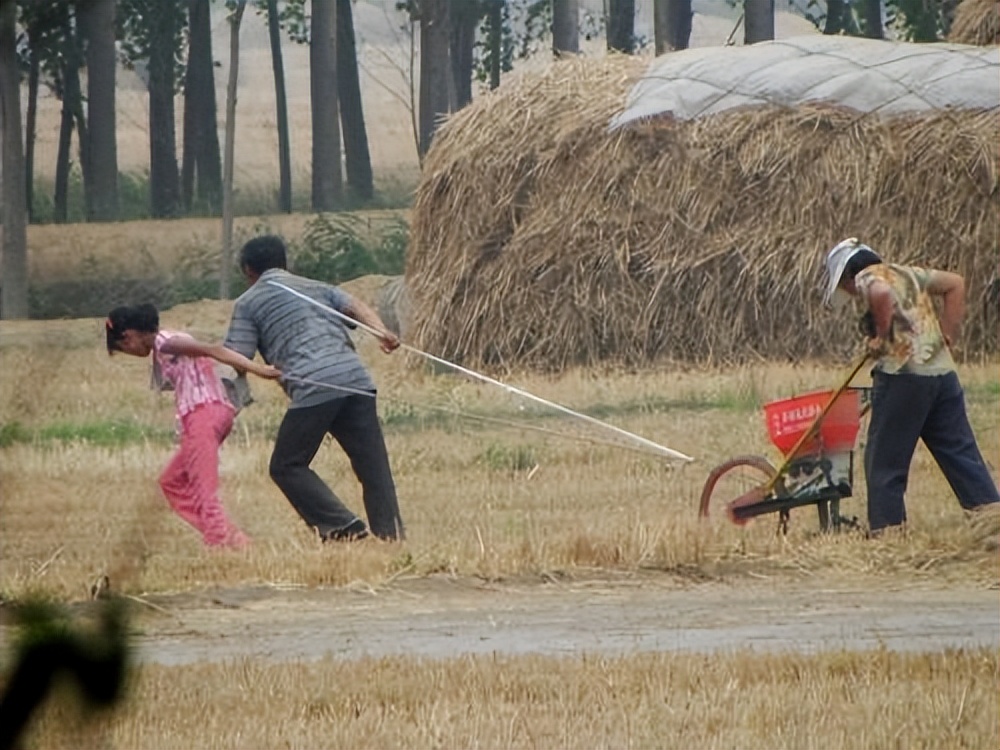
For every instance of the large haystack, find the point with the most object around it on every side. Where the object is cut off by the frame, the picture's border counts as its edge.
(541, 239)
(976, 22)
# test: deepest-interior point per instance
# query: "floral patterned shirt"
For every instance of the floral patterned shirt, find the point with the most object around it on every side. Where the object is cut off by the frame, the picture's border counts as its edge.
(194, 379)
(916, 344)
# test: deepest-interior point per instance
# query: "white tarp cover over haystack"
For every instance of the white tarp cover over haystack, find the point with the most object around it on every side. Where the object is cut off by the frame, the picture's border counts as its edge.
(868, 75)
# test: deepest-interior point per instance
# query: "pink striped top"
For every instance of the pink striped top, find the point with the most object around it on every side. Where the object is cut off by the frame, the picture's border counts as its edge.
(194, 378)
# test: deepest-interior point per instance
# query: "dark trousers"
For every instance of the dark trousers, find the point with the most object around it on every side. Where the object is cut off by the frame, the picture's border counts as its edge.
(353, 422)
(906, 408)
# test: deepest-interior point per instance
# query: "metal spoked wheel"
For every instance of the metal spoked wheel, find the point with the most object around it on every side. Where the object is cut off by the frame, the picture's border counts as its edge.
(733, 479)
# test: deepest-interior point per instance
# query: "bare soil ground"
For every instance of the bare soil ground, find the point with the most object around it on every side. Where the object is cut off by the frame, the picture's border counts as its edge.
(444, 617)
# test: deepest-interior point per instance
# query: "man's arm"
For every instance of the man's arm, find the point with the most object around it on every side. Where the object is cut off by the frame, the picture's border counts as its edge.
(951, 288)
(362, 313)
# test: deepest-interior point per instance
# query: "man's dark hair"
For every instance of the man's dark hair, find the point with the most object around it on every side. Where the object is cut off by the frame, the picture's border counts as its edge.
(860, 261)
(143, 318)
(264, 253)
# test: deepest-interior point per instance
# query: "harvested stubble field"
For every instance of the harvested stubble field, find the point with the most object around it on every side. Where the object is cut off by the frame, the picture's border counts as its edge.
(495, 501)
(523, 522)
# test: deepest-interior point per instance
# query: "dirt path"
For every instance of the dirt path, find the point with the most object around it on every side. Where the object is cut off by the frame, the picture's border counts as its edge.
(445, 617)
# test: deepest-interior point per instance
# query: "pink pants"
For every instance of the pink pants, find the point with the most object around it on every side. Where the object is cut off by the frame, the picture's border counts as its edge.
(191, 479)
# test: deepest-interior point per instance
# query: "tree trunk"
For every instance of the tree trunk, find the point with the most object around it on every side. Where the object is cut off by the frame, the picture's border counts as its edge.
(758, 21)
(357, 159)
(202, 163)
(873, 19)
(14, 270)
(565, 27)
(326, 178)
(281, 109)
(621, 25)
(464, 17)
(60, 198)
(30, 127)
(72, 116)
(671, 25)
(101, 167)
(83, 141)
(235, 19)
(190, 138)
(435, 68)
(834, 22)
(164, 191)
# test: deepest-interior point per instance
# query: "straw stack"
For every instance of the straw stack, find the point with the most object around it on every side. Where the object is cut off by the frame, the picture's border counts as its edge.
(976, 22)
(542, 240)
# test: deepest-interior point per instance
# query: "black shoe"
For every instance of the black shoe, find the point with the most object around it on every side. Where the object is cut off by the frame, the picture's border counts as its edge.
(356, 529)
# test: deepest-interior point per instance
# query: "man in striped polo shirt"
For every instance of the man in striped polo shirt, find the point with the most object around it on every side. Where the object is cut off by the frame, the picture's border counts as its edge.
(281, 315)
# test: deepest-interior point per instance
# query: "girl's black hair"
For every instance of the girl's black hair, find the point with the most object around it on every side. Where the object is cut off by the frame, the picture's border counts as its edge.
(264, 253)
(142, 318)
(860, 261)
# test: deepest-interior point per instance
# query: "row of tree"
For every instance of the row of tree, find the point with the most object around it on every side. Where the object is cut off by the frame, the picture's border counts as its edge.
(170, 43)
(50, 42)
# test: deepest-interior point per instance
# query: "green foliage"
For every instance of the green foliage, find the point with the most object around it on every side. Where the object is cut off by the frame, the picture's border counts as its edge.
(138, 21)
(13, 432)
(133, 195)
(499, 457)
(912, 20)
(293, 19)
(338, 248)
(523, 26)
(334, 249)
(44, 37)
(919, 21)
(390, 253)
(133, 198)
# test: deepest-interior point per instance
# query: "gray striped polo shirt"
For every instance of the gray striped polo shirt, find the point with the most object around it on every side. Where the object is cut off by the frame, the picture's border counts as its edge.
(299, 338)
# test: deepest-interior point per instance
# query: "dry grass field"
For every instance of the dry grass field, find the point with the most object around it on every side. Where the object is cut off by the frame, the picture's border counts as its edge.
(493, 488)
(484, 491)
(839, 699)
(486, 495)
(157, 248)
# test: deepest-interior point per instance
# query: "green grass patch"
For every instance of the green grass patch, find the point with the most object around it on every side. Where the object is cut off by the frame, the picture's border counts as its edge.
(112, 433)
(738, 401)
(14, 432)
(405, 417)
(983, 392)
(499, 457)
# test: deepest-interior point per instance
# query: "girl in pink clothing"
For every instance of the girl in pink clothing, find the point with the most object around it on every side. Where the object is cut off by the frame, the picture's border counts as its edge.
(191, 479)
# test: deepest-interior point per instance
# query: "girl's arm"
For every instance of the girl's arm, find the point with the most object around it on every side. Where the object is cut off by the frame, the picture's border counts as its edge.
(189, 347)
